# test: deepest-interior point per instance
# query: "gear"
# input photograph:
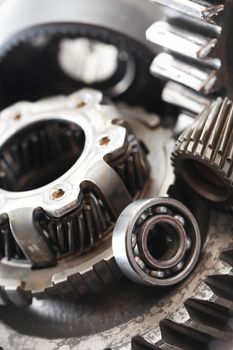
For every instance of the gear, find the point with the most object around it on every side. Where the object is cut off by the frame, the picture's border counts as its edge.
(156, 241)
(196, 314)
(206, 319)
(203, 154)
(59, 173)
(59, 206)
(195, 40)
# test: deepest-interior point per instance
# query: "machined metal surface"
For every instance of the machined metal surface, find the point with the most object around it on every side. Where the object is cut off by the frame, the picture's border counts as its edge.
(114, 314)
(203, 153)
(111, 170)
(156, 242)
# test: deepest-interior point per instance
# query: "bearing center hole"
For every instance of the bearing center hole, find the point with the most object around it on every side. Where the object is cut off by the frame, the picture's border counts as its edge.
(39, 154)
(163, 241)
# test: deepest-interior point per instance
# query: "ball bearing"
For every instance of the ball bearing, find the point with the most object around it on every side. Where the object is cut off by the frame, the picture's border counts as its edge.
(156, 242)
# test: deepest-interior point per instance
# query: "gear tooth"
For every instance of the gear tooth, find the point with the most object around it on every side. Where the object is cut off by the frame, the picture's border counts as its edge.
(87, 214)
(100, 217)
(104, 272)
(93, 281)
(186, 337)
(210, 13)
(210, 314)
(183, 42)
(65, 291)
(227, 256)
(78, 284)
(184, 97)
(204, 11)
(221, 285)
(139, 343)
(134, 169)
(200, 79)
(67, 287)
(82, 233)
(71, 235)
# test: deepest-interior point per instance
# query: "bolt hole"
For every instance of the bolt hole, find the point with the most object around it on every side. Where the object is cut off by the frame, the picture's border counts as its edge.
(104, 141)
(18, 116)
(57, 194)
(81, 103)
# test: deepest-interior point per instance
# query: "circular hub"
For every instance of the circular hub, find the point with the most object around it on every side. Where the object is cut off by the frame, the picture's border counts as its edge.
(59, 173)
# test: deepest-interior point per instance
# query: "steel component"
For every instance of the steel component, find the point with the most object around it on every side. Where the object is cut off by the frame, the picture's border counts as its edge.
(184, 98)
(71, 211)
(198, 316)
(194, 40)
(156, 242)
(203, 153)
(59, 174)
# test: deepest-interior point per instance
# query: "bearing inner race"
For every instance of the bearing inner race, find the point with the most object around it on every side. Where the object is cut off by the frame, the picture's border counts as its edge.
(162, 242)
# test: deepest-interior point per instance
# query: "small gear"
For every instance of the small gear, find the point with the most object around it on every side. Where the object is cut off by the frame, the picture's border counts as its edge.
(203, 153)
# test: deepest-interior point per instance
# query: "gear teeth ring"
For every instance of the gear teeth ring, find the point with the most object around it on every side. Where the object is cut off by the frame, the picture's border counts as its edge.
(59, 175)
(208, 321)
(203, 153)
(194, 41)
(79, 231)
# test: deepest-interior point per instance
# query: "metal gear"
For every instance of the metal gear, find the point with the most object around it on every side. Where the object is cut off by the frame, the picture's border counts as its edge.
(195, 43)
(45, 226)
(156, 242)
(49, 215)
(203, 154)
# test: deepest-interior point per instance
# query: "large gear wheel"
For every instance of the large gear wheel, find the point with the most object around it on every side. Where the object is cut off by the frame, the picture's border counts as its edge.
(194, 38)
